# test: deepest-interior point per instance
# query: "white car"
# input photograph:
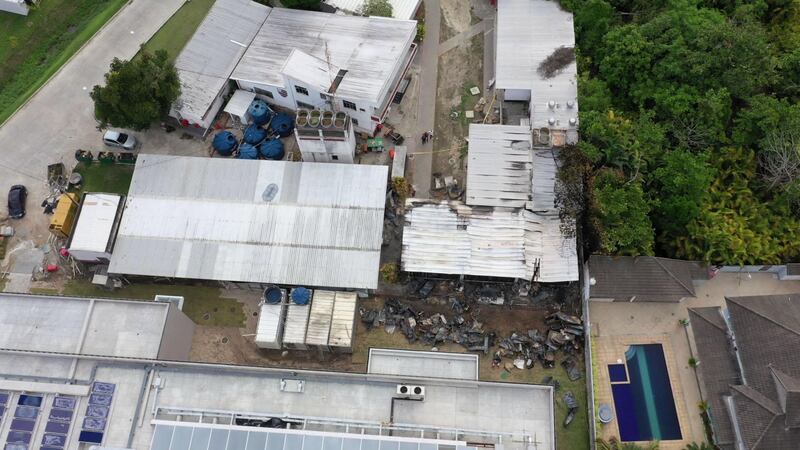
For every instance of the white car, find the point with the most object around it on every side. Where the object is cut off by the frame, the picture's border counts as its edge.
(120, 140)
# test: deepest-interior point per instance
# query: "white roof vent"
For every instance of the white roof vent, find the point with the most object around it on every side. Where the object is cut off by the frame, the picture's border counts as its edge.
(551, 104)
(551, 121)
(570, 104)
(573, 121)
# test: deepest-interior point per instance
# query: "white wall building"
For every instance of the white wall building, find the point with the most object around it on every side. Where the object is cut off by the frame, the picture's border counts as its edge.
(528, 32)
(205, 64)
(314, 60)
(325, 136)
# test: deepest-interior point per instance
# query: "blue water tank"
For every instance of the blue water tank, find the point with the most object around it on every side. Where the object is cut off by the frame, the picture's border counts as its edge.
(301, 296)
(254, 134)
(273, 295)
(247, 151)
(272, 149)
(282, 124)
(260, 112)
(225, 143)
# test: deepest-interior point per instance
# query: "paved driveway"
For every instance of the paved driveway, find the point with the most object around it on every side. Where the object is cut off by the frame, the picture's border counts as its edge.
(60, 118)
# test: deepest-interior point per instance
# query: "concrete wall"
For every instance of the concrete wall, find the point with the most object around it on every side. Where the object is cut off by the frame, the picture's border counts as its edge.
(14, 6)
(176, 342)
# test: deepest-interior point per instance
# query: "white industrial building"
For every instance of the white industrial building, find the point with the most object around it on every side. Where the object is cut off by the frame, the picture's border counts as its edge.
(325, 136)
(289, 223)
(81, 373)
(294, 59)
(401, 9)
(527, 33)
(509, 226)
(95, 230)
(17, 6)
(306, 59)
(206, 62)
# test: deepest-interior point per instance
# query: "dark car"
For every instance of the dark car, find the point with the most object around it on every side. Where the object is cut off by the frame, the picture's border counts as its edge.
(16, 201)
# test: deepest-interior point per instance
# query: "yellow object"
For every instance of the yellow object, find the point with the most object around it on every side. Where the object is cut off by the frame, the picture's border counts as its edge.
(64, 216)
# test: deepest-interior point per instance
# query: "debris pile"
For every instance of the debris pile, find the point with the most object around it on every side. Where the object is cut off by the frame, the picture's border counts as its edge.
(564, 334)
(432, 329)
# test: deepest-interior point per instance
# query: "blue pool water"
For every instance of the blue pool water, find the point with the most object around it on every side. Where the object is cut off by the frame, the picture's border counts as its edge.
(617, 373)
(645, 406)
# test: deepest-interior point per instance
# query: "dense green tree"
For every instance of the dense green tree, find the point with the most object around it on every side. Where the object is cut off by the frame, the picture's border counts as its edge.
(620, 209)
(137, 92)
(678, 188)
(615, 140)
(381, 8)
(734, 225)
(312, 5)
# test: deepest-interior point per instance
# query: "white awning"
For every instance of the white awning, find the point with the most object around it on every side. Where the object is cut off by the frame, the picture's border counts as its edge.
(238, 104)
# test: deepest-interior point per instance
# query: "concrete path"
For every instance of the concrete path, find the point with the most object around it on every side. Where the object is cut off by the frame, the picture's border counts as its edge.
(419, 155)
(463, 37)
(60, 118)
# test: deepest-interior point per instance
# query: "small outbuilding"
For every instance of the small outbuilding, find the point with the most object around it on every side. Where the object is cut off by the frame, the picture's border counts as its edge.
(95, 231)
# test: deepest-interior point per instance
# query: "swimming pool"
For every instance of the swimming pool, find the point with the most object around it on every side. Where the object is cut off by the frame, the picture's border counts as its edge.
(643, 397)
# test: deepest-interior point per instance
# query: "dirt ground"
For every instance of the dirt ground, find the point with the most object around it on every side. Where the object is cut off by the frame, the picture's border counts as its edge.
(459, 70)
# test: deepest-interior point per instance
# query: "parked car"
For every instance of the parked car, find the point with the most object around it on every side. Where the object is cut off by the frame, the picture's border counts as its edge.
(120, 140)
(16, 201)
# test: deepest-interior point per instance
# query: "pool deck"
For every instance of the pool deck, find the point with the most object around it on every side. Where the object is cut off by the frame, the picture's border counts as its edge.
(615, 326)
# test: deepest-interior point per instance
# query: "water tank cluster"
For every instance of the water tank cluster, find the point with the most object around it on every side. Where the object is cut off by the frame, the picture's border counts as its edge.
(261, 139)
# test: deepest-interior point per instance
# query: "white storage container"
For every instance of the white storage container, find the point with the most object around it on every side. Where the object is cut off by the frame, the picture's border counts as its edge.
(270, 325)
(342, 322)
(319, 320)
(294, 332)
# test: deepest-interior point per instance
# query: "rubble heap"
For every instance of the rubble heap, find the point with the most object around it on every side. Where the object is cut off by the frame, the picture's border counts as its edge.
(564, 334)
(434, 329)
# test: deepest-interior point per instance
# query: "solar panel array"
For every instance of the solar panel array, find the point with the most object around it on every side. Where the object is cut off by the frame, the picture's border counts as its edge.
(24, 422)
(174, 437)
(97, 412)
(58, 423)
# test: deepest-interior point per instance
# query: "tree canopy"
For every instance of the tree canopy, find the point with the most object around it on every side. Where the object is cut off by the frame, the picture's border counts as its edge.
(381, 8)
(137, 92)
(312, 5)
(690, 120)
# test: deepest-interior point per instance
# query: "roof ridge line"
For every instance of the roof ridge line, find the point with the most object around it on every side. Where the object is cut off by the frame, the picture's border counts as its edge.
(797, 332)
(692, 310)
(764, 431)
(658, 261)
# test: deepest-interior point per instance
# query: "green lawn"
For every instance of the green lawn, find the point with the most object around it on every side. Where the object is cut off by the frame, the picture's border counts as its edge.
(34, 47)
(177, 31)
(113, 179)
(204, 305)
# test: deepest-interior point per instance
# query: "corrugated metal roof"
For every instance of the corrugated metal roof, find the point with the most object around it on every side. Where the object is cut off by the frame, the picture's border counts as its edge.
(322, 227)
(344, 312)
(545, 171)
(453, 238)
(370, 49)
(294, 332)
(401, 9)
(528, 31)
(499, 165)
(319, 321)
(96, 222)
(313, 71)
(207, 60)
(270, 321)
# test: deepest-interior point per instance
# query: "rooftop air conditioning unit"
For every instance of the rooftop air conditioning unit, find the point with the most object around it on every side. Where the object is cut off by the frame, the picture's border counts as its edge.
(410, 391)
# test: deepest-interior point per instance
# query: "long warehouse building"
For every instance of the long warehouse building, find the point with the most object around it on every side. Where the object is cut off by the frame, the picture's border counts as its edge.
(290, 223)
